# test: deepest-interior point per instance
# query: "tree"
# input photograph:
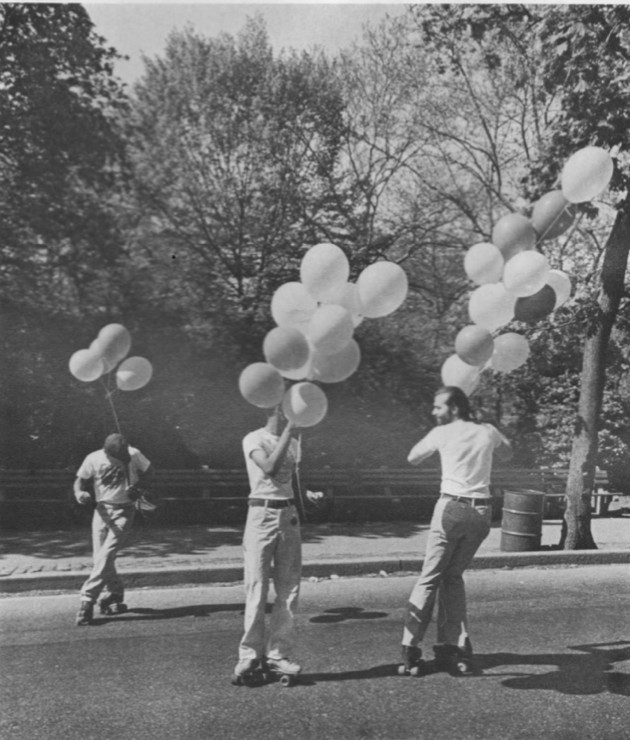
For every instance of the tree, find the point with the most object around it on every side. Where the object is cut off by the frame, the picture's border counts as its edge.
(589, 67)
(61, 160)
(59, 155)
(232, 150)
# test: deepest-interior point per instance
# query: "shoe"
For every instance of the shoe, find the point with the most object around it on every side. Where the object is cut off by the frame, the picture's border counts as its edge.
(112, 604)
(248, 672)
(411, 656)
(86, 614)
(246, 666)
(457, 661)
(283, 665)
(412, 663)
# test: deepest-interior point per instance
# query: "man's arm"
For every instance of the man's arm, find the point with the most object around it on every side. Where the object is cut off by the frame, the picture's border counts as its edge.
(504, 451)
(82, 492)
(270, 464)
(419, 452)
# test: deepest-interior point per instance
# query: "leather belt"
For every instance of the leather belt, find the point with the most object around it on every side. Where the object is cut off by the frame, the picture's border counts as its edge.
(468, 500)
(271, 503)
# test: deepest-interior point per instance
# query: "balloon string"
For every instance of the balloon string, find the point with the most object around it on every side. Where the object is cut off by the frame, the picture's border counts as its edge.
(108, 395)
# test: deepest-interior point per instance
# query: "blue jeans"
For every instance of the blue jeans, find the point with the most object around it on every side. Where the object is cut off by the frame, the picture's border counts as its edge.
(111, 527)
(272, 548)
(457, 529)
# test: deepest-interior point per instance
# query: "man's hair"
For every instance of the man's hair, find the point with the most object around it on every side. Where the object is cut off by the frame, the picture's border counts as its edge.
(115, 445)
(457, 398)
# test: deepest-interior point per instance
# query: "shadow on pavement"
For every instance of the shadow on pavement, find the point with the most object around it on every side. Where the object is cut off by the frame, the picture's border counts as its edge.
(590, 672)
(341, 614)
(196, 610)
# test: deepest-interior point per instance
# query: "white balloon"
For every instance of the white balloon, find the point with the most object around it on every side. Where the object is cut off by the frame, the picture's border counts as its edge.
(382, 289)
(261, 385)
(348, 297)
(330, 329)
(108, 365)
(337, 367)
(511, 350)
(525, 273)
(324, 269)
(459, 373)
(292, 306)
(302, 373)
(285, 348)
(113, 343)
(491, 306)
(86, 365)
(586, 174)
(133, 373)
(305, 404)
(561, 284)
(483, 263)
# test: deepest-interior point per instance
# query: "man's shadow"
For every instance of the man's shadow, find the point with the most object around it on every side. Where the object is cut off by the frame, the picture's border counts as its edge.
(589, 672)
(137, 614)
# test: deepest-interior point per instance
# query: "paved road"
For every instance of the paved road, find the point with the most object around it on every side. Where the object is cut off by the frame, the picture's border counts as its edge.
(553, 645)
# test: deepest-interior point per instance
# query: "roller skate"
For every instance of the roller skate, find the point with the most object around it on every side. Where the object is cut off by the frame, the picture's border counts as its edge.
(413, 664)
(85, 615)
(248, 672)
(282, 669)
(112, 604)
(457, 661)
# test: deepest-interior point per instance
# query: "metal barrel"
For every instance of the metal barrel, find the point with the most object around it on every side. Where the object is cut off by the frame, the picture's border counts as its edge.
(521, 525)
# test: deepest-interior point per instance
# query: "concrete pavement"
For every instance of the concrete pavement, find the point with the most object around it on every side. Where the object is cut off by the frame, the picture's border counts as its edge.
(163, 556)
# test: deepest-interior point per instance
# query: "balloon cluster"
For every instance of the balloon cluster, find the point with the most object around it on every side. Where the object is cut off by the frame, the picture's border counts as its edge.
(312, 341)
(514, 278)
(109, 348)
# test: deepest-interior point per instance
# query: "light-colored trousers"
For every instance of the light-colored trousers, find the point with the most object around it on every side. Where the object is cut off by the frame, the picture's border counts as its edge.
(272, 548)
(111, 528)
(457, 529)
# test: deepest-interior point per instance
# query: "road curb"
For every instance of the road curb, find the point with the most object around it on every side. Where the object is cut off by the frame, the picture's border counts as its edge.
(232, 573)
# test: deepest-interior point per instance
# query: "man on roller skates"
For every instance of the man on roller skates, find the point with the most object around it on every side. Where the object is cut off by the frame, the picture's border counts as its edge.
(114, 474)
(271, 540)
(460, 522)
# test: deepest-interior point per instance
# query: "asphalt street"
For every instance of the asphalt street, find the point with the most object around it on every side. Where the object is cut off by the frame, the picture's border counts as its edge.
(552, 646)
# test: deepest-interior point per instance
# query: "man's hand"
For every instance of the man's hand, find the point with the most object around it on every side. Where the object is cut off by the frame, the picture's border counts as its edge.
(134, 492)
(82, 497)
(315, 497)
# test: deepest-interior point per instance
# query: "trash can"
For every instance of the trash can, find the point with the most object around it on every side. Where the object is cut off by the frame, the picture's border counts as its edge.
(521, 525)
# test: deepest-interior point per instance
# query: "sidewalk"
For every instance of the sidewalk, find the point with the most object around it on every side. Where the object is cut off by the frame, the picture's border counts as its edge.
(161, 556)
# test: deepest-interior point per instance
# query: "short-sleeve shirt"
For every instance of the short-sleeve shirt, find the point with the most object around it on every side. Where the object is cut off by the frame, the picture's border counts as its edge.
(111, 477)
(466, 449)
(262, 485)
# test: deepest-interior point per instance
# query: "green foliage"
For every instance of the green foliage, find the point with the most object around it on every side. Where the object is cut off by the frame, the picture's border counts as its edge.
(59, 156)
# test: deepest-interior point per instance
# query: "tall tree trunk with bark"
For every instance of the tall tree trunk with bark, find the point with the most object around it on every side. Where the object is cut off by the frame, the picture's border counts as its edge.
(577, 520)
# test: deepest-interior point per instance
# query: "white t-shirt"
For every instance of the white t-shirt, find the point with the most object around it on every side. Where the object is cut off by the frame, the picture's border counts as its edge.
(466, 449)
(262, 485)
(110, 475)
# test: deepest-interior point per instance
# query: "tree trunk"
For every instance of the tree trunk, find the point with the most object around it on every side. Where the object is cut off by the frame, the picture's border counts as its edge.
(576, 533)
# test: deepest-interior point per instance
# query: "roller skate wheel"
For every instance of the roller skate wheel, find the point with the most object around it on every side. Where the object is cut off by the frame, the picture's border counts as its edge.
(286, 681)
(415, 671)
(237, 680)
(402, 671)
(463, 668)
